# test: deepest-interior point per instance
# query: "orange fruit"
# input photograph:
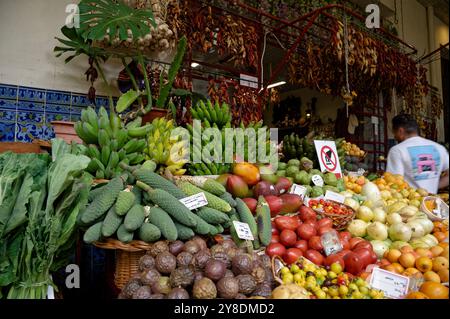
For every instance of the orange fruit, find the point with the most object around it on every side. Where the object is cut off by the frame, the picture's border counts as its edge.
(431, 276)
(384, 262)
(399, 268)
(438, 226)
(440, 263)
(364, 275)
(443, 274)
(391, 268)
(443, 244)
(423, 252)
(416, 295)
(407, 260)
(434, 290)
(393, 255)
(436, 251)
(406, 249)
(410, 271)
(440, 236)
(424, 264)
(445, 253)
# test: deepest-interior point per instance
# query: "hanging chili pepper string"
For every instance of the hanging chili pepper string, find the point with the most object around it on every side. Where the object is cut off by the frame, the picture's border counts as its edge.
(346, 57)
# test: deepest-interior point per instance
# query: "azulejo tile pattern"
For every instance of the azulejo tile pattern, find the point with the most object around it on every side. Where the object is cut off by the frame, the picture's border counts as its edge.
(26, 113)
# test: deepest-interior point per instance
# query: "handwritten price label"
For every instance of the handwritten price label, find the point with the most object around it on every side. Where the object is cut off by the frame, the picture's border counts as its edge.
(317, 180)
(243, 230)
(329, 195)
(393, 285)
(195, 201)
(298, 190)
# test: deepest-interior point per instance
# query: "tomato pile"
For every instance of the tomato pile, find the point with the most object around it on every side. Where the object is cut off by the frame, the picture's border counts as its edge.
(330, 207)
(300, 235)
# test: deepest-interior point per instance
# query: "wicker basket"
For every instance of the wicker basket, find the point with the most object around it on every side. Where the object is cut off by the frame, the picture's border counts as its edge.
(127, 258)
(340, 222)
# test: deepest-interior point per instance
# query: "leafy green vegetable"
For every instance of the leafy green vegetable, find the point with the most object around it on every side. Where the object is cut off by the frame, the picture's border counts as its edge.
(40, 203)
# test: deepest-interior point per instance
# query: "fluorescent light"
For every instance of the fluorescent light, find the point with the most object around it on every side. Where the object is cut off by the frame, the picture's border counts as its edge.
(194, 64)
(276, 84)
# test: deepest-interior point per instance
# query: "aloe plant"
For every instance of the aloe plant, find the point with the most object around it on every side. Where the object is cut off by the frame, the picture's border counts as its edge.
(127, 99)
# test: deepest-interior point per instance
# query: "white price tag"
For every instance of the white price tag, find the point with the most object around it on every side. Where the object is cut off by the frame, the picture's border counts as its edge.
(317, 180)
(331, 243)
(250, 81)
(195, 201)
(298, 190)
(329, 195)
(243, 230)
(393, 285)
(50, 292)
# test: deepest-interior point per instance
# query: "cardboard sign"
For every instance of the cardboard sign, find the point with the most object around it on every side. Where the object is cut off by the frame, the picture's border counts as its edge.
(243, 230)
(328, 157)
(298, 190)
(317, 180)
(195, 201)
(393, 285)
(329, 195)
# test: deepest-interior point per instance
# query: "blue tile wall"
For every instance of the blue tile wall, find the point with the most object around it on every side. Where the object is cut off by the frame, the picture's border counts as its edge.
(26, 113)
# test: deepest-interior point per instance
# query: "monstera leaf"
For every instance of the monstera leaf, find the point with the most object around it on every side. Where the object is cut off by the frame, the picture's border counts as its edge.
(101, 17)
(76, 45)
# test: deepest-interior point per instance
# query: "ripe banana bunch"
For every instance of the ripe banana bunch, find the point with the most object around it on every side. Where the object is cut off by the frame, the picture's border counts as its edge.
(211, 114)
(163, 151)
(109, 142)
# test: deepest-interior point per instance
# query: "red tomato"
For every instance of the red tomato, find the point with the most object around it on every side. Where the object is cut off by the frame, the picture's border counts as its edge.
(275, 249)
(315, 243)
(306, 231)
(373, 257)
(343, 252)
(297, 217)
(288, 237)
(312, 223)
(275, 229)
(307, 214)
(292, 255)
(363, 244)
(354, 241)
(301, 244)
(275, 239)
(314, 256)
(353, 263)
(334, 259)
(345, 235)
(285, 222)
(345, 244)
(325, 222)
(364, 255)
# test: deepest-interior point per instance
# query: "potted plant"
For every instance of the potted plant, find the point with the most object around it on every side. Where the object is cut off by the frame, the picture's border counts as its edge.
(144, 97)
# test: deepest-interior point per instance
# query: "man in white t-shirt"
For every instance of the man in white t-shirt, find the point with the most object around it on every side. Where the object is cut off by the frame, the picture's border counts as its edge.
(423, 163)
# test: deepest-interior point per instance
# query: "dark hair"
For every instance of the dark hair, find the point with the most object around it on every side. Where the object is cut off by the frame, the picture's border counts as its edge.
(406, 121)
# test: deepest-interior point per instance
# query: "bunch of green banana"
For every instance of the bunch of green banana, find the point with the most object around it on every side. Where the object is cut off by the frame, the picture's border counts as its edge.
(295, 147)
(109, 142)
(200, 169)
(211, 114)
(207, 167)
(163, 151)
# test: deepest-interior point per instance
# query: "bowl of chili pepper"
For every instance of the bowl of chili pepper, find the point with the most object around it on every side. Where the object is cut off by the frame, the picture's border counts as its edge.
(339, 213)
